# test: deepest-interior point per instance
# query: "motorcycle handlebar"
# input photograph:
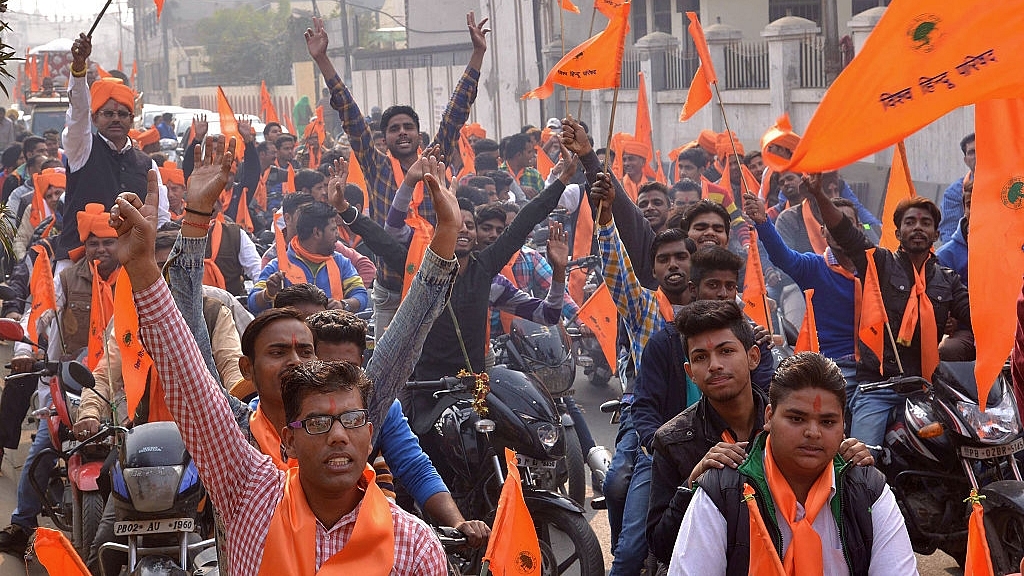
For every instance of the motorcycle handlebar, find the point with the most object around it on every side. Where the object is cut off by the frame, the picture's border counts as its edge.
(445, 383)
(583, 262)
(899, 384)
(450, 537)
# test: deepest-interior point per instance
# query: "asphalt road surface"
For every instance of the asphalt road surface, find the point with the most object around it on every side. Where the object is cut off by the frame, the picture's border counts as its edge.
(587, 396)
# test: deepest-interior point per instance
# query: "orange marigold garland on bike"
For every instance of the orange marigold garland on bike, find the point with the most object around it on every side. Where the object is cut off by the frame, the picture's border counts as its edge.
(481, 387)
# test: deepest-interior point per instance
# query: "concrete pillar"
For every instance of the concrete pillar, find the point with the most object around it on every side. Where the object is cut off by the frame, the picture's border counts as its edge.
(719, 36)
(510, 68)
(862, 24)
(784, 36)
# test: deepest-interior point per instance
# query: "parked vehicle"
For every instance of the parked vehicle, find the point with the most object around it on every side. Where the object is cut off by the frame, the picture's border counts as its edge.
(939, 446)
(464, 447)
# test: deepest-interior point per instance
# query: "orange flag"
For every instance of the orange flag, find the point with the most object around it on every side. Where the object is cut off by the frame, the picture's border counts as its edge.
(242, 215)
(917, 65)
(997, 235)
(807, 340)
(755, 294)
(544, 163)
(228, 123)
(568, 6)
(57, 555)
(699, 92)
(594, 64)
(764, 559)
(979, 557)
(467, 156)
(137, 368)
(609, 8)
(355, 176)
(159, 7)
(659, 171)
(900, 187)
(43, 295)
(32, 69)
(135, 72)
(289, 182)
(513, 547)
(642, 131)
(46, 64)
(267, 109)
(583, 236)
(747, 184)
(102, 72)
(872, 313)
(120, 61)
(598, 313)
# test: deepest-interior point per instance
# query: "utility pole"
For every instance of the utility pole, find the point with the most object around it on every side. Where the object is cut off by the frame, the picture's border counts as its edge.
(830, 29)
(346, 69)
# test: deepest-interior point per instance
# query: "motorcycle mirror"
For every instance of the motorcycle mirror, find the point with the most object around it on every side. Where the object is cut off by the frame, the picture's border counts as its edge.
(11, 330)
(75, 371)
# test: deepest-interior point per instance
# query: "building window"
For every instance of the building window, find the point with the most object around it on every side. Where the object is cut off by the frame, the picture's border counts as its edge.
(809, 9)
(638, 20)
(661, 15)
(862, 5)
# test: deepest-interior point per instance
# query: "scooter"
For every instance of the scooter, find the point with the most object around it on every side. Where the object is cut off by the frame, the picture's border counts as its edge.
(70, 496)
(939, 446)
(464, 436)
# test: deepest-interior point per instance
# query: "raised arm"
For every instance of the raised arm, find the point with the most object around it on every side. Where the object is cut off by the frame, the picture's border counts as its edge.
(77, 135)
(457, 111)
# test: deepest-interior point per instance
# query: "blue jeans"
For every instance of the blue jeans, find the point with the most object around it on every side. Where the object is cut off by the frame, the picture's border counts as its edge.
(620, 473)
(631, 550)
(871, 413)
(29, 505)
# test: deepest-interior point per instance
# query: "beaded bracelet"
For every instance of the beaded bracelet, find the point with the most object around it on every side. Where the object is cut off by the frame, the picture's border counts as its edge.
(203, 227)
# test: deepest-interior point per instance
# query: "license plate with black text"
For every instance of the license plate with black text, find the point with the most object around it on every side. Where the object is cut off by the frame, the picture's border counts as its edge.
(164, 525)
(987, 452)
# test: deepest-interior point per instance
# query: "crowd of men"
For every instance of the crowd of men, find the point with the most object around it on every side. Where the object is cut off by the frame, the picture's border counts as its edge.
(251, 262)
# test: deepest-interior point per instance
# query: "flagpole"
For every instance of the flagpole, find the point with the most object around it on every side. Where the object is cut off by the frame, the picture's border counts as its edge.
(895, 351)
(732, 141)
(608, 149)
(96, 22)
(593, 17)
(561, 36)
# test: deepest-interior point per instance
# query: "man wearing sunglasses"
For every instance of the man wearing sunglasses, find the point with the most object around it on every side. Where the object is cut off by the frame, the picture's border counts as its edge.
(104, 164)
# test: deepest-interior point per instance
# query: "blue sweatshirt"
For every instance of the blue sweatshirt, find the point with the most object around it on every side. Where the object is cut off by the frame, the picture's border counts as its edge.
(833, 293)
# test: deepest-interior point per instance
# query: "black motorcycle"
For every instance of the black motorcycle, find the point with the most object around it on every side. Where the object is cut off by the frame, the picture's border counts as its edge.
(939, 446)
(464, 446)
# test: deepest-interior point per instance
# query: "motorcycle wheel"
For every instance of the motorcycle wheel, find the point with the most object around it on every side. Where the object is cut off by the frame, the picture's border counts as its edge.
(86, 519)
(567, 543)
(577, 468)
(1004, 529)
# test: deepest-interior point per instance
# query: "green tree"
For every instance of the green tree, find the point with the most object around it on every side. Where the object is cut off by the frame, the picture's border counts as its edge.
(245, 45)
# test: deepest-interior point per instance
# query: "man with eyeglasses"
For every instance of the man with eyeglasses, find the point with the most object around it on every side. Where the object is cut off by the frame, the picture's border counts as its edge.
(101, 165)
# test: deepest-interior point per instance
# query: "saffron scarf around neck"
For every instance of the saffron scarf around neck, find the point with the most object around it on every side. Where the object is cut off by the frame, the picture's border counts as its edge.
(664, 306)
(269, 439)
(333, 272)
(804, 554)
(919, 311)
(290, 547)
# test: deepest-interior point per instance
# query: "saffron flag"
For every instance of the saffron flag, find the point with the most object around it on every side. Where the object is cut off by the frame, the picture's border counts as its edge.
(609, 8)
(807, 340)
(120, 61)
(465, 154)
(159, 7)
(513, 547)
(921, 61)
(228, 124)
(267, 109)
(764, 560)
(56, 554)
(873, 318)
(979, 557)
(568, 6)
(289, 181)
(594, 64)
(599, 314)
(544, 163)
(659, 170)
(135, 73)
(43, 295)
(699, 92)
(900, 188)
(755, 293)
(46, 65)
(355, 176)
(997, 235)
(642, 131)
(582, 243)
(137, 368)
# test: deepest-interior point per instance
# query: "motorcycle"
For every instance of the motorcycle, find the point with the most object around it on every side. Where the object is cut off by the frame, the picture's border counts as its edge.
(939, 446)
(464, 446)
(71, 496)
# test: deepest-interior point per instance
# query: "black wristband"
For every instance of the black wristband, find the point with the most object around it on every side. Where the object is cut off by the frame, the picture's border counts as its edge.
(198, 213)
(355, 214)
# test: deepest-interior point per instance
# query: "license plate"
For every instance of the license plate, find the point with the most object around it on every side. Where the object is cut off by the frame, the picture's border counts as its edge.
(154, 526)
(533, 462)
(992, 451)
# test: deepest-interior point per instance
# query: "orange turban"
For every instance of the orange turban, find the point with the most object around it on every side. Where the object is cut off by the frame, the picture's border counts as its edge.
(111, 89)
(41, 182)
(781, 134)
(146, 137)
(93, 220)
(708, 140)
(474, 129)
(171, 174)
(635, 147)
(723, 145)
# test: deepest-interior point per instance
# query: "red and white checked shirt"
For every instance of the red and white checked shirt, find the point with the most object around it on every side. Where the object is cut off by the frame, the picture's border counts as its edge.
(244, 484)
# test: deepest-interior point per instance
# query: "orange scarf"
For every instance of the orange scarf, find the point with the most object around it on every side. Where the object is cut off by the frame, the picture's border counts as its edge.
(137, 369)
(291, 272)
(858, 294)
(43, 293)
(102, 308)
(803, 555)
(818, 242)
(212, 276)
(664, 306)
(632, 188)
(333, 272)
(290, 547)
(919, 308)
(268, 439)
(764, 559)
(260, 196)
(422, 230)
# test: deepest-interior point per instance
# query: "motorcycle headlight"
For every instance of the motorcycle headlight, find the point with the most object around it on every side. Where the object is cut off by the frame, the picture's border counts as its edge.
(996, 424)
(548, 434)
(154, 488)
